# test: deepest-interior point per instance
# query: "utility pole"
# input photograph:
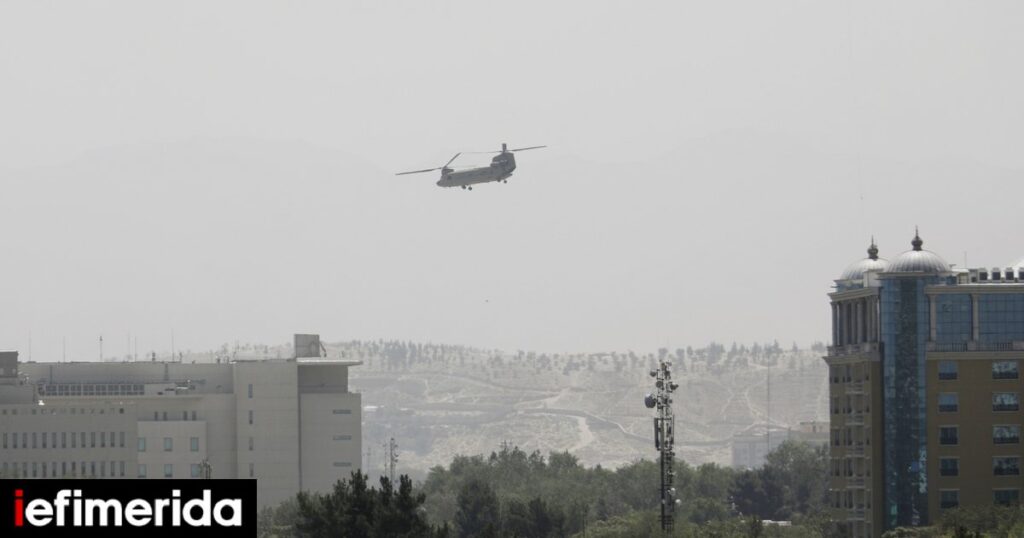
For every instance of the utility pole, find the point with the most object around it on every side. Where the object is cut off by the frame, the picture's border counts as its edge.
(664, 438)
(205, 469)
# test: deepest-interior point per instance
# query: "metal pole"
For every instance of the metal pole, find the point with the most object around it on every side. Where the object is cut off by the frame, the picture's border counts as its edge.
(664, 439)
(768, 415)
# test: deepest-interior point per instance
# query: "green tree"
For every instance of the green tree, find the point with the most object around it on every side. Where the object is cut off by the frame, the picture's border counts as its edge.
(747, 493)
(354, 509)
(798, 472)
(478, 511)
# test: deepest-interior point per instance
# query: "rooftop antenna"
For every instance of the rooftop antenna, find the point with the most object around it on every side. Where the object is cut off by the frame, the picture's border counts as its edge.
(63, 349)
(172, 344)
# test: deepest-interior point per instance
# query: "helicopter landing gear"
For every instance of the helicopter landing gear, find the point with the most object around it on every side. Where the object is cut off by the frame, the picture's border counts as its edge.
(470, 188)
(463, 187)
(504, 181)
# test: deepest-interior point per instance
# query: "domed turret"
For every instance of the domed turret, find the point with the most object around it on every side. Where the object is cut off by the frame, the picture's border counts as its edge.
(857, 269)
(918, 260)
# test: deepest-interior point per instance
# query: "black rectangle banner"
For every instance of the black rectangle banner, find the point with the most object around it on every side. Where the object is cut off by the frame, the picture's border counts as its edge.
(223, 508)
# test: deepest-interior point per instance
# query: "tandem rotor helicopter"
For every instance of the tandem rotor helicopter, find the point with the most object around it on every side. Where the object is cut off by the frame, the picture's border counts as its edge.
(501, 167)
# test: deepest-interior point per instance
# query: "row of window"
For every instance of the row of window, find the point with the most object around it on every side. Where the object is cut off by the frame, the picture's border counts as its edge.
(845, 437)
(44, 469)
(64, 411)
(849, 409)
(841, 500)
(169, 444)
(1001, 466)
(949, 370)
(845, 374)
(950, 498)
(67, 440)
(949, 402)
(91, 389)
(1002, 434)
(839, 469)
(94, 469)
(195, 470)
(163, 416)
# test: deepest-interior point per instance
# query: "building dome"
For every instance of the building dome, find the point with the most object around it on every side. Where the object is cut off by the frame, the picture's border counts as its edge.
(857, 269)
(918, 260)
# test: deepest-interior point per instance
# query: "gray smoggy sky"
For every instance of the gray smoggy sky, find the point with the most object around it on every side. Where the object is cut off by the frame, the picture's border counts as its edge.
(224, 170)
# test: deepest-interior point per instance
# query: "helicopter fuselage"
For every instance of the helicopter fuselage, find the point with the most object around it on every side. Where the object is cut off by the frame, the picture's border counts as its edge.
(500, 169)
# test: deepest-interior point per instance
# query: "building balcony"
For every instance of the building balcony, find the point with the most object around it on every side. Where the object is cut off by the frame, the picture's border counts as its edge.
(855, 450)
(852, 349)
(855, 482)
(855, 514)
(855, 387)
(856, 419)
(973, 345)
(956, 347)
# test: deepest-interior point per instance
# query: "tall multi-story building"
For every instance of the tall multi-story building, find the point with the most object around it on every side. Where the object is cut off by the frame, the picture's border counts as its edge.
(291, 424)
(924, 389)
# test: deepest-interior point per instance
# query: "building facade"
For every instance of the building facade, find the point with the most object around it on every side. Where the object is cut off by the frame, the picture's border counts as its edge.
(924, 389)
(291, 424)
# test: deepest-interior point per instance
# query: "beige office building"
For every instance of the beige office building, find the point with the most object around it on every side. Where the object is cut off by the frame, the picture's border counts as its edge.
(924, 389)
(291, 424)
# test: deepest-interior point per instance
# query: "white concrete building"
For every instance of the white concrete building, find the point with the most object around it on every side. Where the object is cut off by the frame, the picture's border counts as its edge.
(291, 424)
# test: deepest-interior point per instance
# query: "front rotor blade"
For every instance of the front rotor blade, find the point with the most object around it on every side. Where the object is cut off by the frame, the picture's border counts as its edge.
(450, 161)
(524, 149)
(416, 171)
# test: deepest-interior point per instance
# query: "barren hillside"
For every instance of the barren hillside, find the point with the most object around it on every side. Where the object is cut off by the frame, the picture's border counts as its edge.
(438, 401)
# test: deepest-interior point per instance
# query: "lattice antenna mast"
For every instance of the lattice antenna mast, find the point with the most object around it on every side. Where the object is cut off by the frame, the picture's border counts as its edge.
(664, 438)
(391, 463)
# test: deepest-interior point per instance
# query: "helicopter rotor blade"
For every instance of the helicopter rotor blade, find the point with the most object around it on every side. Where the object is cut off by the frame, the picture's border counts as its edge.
(416, 171)
(430, 169)
(499, 151)
(452, 159)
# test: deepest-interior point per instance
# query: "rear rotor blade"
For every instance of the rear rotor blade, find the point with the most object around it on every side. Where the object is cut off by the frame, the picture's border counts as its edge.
(499, 151)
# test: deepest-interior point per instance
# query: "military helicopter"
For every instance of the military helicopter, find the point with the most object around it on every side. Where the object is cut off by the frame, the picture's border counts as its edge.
(501, 167)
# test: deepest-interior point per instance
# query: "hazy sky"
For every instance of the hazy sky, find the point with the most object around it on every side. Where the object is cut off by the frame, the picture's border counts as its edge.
(224, 169)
